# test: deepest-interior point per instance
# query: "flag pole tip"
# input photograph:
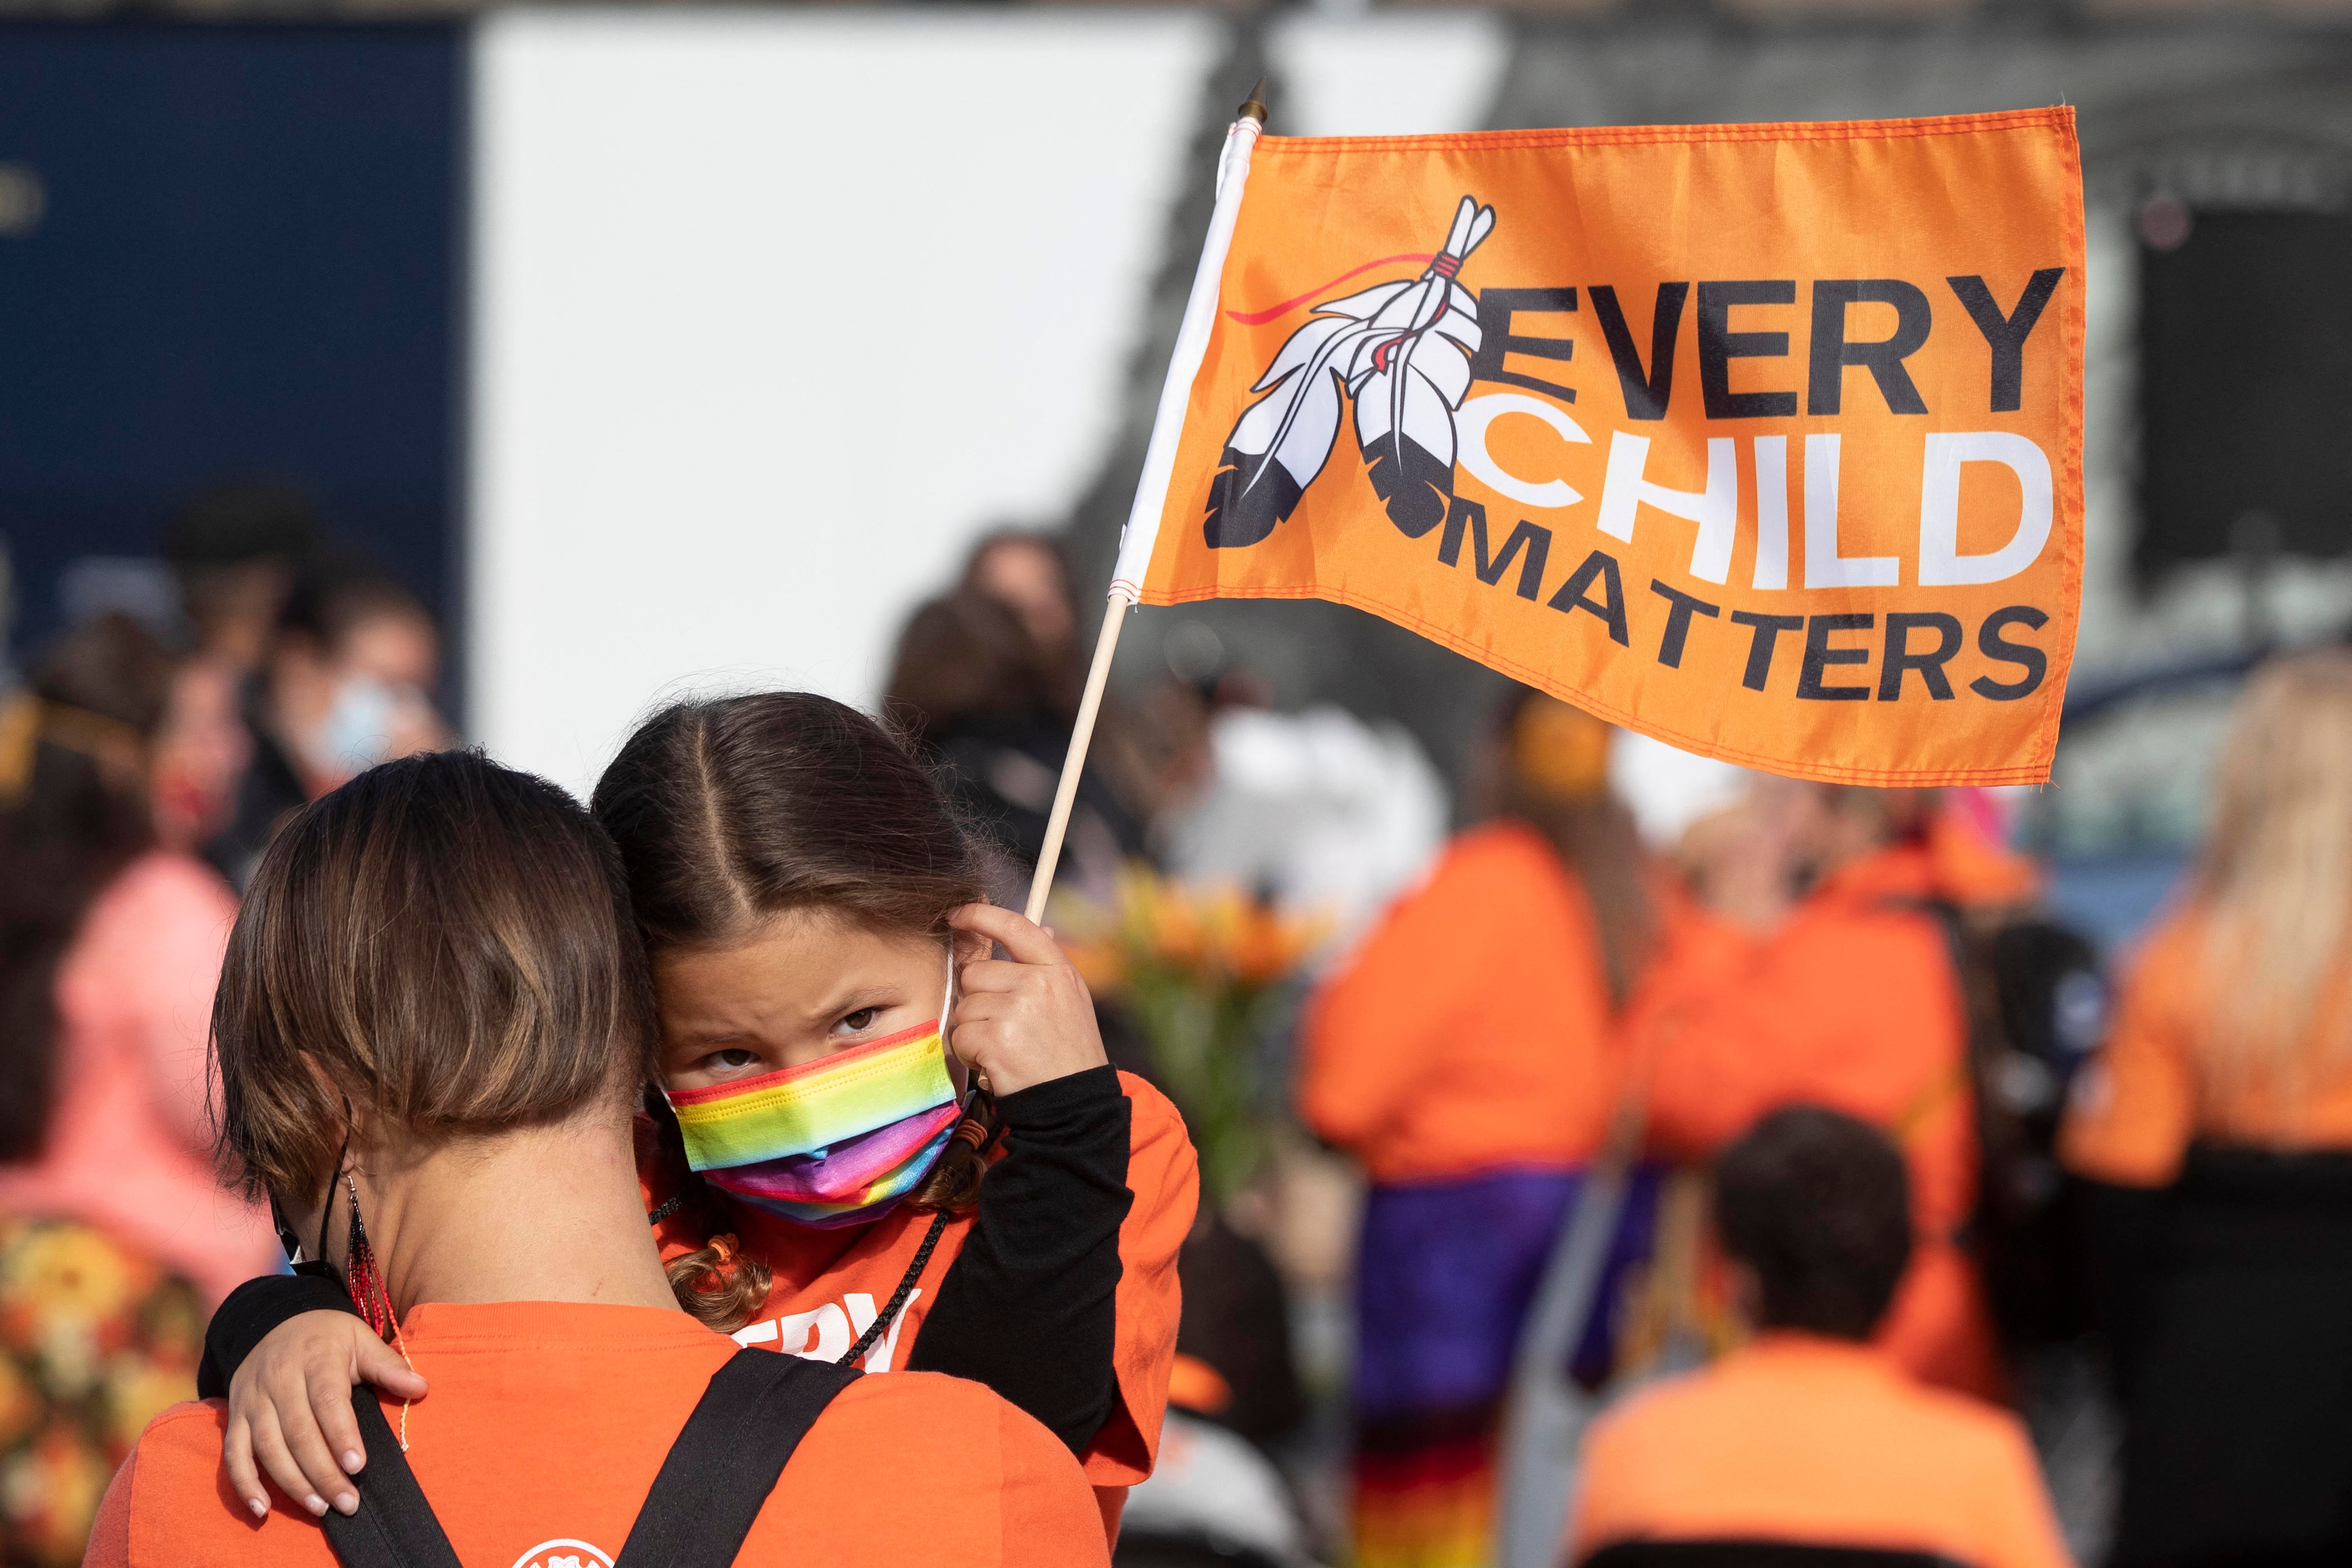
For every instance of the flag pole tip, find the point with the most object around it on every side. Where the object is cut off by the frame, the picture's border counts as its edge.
(1254, 107)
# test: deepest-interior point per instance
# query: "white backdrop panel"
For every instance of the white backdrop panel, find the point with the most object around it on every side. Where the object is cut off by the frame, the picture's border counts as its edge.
(772, 313)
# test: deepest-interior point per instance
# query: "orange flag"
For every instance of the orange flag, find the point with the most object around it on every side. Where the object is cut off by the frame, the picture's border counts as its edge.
(1765, 441)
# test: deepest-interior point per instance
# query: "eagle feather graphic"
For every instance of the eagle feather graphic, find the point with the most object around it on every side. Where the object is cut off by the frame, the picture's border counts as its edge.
(1400, 353)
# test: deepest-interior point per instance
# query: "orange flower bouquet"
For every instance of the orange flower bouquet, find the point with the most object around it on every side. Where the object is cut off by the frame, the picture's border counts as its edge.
(1198, 969)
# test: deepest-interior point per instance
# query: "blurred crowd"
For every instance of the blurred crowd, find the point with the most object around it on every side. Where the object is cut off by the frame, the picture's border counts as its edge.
(1588, 1180)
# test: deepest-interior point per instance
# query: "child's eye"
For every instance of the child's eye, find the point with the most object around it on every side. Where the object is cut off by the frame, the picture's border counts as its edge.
(731, 1059)
(859, 1021)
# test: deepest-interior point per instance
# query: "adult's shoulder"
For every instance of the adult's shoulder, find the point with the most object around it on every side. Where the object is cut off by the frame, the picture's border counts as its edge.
(179, 1483)
(1966, 1428)
(952, 1430)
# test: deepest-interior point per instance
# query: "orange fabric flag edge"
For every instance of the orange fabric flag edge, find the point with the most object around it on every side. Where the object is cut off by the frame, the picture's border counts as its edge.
(1764, 440)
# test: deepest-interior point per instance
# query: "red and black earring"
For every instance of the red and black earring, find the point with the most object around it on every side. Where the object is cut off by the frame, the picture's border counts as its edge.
(361, 1275)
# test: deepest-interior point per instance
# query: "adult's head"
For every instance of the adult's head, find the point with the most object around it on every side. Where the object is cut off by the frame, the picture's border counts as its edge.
(74, 751)
(1817, 1206)
(436, 958)
(791, 867)
(1550, 767)
(2276, 878)
(1028, 572)
(350, 664)
(968, 661)
(201, 752)
(235, 549)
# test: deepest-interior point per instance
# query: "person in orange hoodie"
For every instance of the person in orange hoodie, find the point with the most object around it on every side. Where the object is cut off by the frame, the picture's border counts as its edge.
(1808, 1436)
(435, 1017)
(1462, 1054)
(2214, 1132)
(1808, 963)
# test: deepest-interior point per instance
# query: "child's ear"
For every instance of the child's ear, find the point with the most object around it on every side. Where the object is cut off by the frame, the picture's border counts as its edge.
(969, 947)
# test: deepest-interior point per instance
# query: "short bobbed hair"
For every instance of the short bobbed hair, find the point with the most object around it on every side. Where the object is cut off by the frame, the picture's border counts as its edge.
(1818, 1205)
(443, 940)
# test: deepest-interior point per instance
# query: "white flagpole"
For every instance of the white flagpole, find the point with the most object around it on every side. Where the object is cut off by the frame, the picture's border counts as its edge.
(1142, 530)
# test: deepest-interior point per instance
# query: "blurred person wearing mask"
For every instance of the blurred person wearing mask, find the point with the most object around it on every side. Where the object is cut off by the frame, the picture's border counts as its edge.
(2214, 1130)
(345, 686)
(972, 689)
(113, 944)
(1462, 1054)
(236, 551)
(1808, 1438)
(445, 1117)
(1810, 965)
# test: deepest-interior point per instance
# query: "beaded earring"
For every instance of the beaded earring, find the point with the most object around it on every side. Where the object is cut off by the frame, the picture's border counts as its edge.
(363, 1277)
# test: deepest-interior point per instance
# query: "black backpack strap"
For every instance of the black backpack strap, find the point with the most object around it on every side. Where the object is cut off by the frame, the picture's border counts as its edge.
(719, 1474)
(395, 1527)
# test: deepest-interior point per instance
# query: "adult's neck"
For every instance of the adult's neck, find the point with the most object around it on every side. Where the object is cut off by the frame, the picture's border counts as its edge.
(544, 1214)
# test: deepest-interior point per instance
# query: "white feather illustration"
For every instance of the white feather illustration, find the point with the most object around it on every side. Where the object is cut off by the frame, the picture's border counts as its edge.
(1402, 351)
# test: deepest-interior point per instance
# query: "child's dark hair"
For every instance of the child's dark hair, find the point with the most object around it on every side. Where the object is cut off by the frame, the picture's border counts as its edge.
(1819, 1205)
(732, 811)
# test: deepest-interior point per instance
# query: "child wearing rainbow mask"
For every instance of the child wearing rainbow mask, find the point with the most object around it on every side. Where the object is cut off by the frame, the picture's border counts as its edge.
(843, 1062)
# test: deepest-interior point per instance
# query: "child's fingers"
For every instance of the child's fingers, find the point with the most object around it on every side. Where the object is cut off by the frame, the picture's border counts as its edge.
(1027, 941)
(237, 1457)
(377, 1362)
(339, 1428)
(269, 1448)
(298, 1428)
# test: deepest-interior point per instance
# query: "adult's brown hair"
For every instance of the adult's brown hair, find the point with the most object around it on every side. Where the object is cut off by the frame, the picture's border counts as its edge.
(442, 941)
(732, 812)
(73, 813)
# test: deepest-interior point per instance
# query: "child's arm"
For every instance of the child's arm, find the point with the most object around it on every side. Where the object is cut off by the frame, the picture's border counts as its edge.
(285, 1349)
(1029, 1305)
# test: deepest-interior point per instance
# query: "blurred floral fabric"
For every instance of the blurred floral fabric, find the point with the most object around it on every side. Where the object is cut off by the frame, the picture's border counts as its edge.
(95, 1340)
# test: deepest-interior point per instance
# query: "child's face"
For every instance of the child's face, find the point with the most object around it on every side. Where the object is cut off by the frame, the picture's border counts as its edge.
(806, 986)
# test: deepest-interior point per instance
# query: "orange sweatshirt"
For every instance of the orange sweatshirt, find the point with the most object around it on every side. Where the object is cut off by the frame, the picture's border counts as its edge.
(1851, 1003)
(1811, 1441)
(1470, 1031)
(830, 1284)
(545, 1428)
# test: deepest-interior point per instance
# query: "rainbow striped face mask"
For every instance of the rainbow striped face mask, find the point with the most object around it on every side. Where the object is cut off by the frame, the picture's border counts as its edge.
(833, 1142)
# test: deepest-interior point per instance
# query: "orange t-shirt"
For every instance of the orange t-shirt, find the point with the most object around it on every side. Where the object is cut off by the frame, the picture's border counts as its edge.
(830, 1285)
(548, 1422)
(1470, 1030)
(1810, 1440)
(1851, 1003)
(2137, 1107)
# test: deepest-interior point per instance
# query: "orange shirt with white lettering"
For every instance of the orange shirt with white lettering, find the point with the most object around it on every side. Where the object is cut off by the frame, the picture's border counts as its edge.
(2137, 1107)
(1803, 1439)
(830, 1284)
(548, 1422)
(1470, 1031)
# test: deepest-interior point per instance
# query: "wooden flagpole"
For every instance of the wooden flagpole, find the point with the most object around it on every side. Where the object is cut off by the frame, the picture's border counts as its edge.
(1066, 791)
(1152, 490)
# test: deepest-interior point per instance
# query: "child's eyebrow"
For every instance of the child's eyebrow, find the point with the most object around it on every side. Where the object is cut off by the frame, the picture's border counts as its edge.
(873, 995)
